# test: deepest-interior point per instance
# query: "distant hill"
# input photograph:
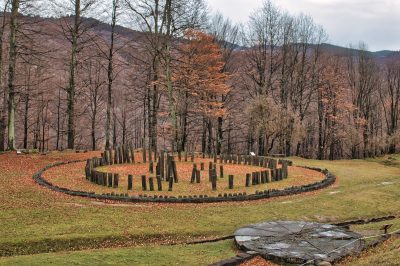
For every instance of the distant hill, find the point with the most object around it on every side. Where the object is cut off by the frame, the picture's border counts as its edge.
(102, 30)
(339, 50)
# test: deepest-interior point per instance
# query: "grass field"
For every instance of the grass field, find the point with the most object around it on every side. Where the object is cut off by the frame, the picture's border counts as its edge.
(36, 220)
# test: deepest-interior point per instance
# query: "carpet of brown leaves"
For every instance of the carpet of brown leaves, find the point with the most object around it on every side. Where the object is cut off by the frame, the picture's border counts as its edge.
(72, 176)
(258, 261)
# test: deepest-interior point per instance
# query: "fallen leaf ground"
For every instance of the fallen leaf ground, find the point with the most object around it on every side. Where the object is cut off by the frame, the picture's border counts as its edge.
(73, 176)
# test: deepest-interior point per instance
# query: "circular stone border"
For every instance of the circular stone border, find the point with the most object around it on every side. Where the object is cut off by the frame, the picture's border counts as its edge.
(271, 193)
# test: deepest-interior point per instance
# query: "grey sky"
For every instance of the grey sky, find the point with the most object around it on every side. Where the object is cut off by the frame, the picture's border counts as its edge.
(376, 22)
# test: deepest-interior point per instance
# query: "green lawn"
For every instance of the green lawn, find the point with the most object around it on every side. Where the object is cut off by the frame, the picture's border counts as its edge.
(150, 255)
(35, 220)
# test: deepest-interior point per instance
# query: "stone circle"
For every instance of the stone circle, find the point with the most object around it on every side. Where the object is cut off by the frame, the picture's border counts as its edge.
(299, 242)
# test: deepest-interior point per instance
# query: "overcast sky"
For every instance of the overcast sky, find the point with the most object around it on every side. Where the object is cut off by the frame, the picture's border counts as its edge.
(376, 22)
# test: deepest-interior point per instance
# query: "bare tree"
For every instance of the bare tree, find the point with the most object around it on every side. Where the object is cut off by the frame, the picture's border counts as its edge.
(76, 34)
(390, 99)
(11, 73)
(3, 91)
(226, 34)
(363, 81)
(110, 70)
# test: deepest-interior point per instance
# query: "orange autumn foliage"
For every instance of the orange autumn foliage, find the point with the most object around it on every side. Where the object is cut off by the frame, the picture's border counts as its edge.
(199, 73)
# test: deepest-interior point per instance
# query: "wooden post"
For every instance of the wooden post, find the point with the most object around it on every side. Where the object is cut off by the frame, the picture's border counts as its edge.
(130, 181)
(192, 157)
(116, 180)
(101, 178)
(87, 169)
(105, 179)
(202, 166)
(285, 170)
(221, 171)
(214, 181)
(186, 156)
(168, 168)
(253, 179)
(179, 156)
(248, 177)
(162, 165)
(98, 181)
(174, 171)
(144, 183)
(230, 181)
(170, 184)
(158, 168)
(274, 164)
(110, 180)
(193, 177)
(151, 184)
(197, 176)
(159, 183)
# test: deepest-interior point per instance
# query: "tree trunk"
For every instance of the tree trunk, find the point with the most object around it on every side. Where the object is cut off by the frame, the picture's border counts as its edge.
(11, 74)
(114, 129)
(3, 109)
(26, 116)
(320, 128)
(110, 74)
(72, 72)
(93, 133)
(3, 127)
(204, 136)
(58, 120)
(220, 135)
(209, 143)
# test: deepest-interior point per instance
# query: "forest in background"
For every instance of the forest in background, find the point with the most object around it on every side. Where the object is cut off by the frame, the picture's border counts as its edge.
(179, 78)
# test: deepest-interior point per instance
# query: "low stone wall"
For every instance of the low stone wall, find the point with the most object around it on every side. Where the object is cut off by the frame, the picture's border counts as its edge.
(271, 193)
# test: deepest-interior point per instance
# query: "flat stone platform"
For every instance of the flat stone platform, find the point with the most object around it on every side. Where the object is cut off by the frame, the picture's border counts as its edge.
(299, 242)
